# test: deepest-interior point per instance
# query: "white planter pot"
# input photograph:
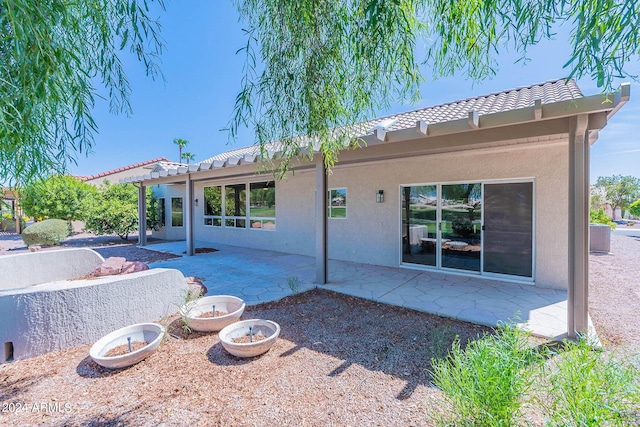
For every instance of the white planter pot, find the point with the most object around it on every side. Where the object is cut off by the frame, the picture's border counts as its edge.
(234, 307)
(152, 333)
(269, 329)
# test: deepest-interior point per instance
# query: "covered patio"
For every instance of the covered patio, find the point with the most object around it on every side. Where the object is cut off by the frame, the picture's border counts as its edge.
(261, 276)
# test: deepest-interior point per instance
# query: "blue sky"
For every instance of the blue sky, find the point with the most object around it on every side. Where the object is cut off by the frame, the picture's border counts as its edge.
(203, 71)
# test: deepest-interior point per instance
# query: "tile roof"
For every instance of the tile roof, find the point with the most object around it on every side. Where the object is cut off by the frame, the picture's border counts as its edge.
(122, 169)
(507, 100)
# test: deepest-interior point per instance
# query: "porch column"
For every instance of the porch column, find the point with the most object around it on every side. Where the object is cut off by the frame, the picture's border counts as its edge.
(578, 290)
(188, 216)
(322, 254)
(142, 215)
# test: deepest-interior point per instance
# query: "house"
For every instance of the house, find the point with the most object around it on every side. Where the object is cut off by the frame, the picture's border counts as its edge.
(494, 186)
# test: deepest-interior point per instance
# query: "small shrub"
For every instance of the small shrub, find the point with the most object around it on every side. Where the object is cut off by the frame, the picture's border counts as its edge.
(47, 232)
(293, 283)
(485, 382)
(599, 217)
(592, 388)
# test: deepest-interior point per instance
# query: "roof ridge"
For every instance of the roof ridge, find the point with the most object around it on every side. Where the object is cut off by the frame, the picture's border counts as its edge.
(122, 169)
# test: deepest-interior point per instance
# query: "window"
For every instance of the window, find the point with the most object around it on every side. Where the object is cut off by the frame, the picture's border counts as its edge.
(162, 213)
(176, 211)
(213, 206)
(235, 205)
(262, 205)
(338, 203)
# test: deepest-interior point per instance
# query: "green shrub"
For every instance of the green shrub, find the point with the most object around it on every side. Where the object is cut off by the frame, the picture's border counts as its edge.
(599, 217)
(634, 208)
(47, 232)
(592, 388)
(484, 383)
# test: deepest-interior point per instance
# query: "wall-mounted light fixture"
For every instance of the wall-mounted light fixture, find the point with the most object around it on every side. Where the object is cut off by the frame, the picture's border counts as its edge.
(380, 196)
(196, 202)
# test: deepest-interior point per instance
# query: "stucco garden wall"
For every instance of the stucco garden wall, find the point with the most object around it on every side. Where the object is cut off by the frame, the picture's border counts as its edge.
(28, 269)
(64, 314)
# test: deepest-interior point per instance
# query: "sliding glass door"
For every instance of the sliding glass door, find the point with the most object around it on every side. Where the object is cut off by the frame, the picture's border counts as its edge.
(419, 224)
(461, 226)
(508, 228)
(481, 227)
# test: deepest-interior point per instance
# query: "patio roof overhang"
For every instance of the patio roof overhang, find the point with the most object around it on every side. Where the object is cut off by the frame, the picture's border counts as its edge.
(517, 126)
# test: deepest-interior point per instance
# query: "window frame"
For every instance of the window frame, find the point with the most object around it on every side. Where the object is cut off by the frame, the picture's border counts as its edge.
(330, 207)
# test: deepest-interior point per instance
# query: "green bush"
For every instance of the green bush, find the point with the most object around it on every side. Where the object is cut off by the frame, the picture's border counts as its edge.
(634, 208)
(592, 388)
(599, 217)
(484, 383)
(47, 232)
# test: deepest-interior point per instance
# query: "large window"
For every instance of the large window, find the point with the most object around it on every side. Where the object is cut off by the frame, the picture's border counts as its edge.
(338, 203)
(176, 212)
(227, 206)
(235, 205)
(213, 206)
(262, 205)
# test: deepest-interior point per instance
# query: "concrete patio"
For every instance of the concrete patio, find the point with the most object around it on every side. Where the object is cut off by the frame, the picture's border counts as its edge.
(259, 276)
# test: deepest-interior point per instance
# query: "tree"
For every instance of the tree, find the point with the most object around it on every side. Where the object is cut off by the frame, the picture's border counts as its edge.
(57, 197)
(114, 210)
(52, 56)
(619, 190)
(188, 157)
(312, 67)
(181, 143)
(315, 67)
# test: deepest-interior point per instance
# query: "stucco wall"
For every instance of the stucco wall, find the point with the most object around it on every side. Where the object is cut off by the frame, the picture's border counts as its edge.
(46, 266)
(295, 222)
(64, 314)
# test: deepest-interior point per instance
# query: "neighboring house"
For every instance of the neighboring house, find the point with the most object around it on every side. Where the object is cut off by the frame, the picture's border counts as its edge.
(495, 186)
(114, 176)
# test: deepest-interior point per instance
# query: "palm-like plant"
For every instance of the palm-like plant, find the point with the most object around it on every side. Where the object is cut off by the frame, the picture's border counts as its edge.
(188, 157)
(181, 143)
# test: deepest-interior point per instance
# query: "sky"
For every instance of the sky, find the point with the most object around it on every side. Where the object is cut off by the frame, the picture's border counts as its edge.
(202, 76)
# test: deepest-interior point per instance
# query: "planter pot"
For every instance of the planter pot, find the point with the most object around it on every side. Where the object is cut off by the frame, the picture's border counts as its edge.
(151, 333)
(233, 306)
(269, 329)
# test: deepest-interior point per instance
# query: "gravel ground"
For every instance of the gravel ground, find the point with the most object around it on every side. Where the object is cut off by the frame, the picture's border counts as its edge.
(339, 361)
(614, 293)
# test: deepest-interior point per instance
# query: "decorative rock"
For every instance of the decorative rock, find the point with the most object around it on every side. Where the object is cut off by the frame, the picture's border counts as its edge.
(34, 248)
(110, 266)
(197, 289)
(133, 267)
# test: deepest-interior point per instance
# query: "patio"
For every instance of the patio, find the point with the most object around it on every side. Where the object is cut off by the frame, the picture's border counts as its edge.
(260, 276)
